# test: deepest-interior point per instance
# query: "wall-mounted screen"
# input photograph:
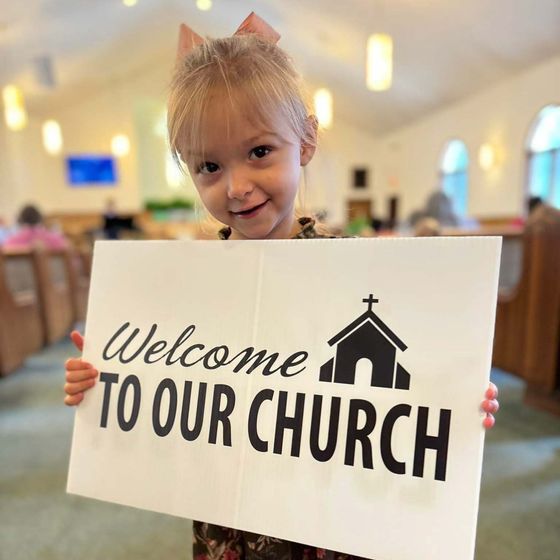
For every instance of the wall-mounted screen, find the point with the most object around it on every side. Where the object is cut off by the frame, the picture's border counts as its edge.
(84, 170)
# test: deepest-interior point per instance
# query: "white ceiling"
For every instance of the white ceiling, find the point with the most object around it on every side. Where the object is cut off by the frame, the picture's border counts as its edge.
(445, 50)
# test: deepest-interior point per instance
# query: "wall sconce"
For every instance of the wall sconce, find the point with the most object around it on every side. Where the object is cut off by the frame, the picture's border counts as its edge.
(120, 145)
(204, 5)
(487, 156)
(323, 103)
(14, 108)
(52, 137)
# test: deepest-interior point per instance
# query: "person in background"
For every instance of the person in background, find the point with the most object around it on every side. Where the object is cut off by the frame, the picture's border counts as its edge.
(427, 227)
(541, 215)
(110, 220)
(376, 224)
(440, 207)
(114, 224)
(32, 232)
(533, 203)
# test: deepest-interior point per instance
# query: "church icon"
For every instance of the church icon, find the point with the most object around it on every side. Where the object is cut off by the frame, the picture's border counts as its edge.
(368, 337)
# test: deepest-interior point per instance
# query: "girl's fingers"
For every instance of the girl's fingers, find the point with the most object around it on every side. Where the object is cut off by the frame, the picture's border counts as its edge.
(488, 421)
(78, 340)
(491, 392)
(73, 376)
(80, 375)
(73, 364)
(73, 400)
(75, 388)
(491, 406)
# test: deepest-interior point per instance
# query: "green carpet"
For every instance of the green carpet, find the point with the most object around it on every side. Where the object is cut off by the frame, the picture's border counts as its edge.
(519, 507)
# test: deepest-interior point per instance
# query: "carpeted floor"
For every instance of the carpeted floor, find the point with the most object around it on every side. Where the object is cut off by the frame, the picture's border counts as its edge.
(519, 506)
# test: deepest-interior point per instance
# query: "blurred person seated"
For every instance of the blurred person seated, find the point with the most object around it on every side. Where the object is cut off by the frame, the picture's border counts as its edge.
(32, 232)
(533, 204)
(542, 215)
(427, 227)
(114, 224)
(439, 208)
(377, 224)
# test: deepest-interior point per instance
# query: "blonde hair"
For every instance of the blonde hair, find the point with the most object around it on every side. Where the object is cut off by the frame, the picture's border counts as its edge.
(245, 69)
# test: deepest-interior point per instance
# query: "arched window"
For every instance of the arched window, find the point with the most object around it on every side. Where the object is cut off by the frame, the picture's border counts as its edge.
(543, 147)
(454, 175)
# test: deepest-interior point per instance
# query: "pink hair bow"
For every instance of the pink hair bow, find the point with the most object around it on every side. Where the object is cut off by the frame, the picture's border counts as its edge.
(188, 39)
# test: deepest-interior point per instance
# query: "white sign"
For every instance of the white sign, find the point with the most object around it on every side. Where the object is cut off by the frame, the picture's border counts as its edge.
(321, 391)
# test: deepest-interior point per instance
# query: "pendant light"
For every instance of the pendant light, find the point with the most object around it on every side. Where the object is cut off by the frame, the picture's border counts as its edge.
(14, 108)
(120, 145)
(379, 62)
(52, 137)
(323, 103)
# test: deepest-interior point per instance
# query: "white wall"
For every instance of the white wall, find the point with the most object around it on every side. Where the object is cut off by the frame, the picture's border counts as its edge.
(328, 178)
(34, 176)
(23, 165)
(407, 160)
(88, 122)
(133, 105)
(404, 162)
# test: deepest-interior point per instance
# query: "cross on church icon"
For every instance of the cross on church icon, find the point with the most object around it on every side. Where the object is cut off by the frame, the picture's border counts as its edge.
(370, 338)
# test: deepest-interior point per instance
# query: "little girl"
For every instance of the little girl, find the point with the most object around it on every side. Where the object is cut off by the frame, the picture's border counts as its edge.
(238, 120)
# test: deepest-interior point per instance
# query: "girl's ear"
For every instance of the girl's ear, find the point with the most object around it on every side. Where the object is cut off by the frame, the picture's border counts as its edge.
(309, 143)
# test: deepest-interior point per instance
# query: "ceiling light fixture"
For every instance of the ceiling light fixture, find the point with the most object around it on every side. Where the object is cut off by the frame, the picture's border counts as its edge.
(323, 102)
(14, 108)
(52, 137)
(487, 156)
(379, 62)
(204, 5)
(120, 145)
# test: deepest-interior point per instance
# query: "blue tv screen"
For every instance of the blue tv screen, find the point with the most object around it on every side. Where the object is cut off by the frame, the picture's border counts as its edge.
(88, 169)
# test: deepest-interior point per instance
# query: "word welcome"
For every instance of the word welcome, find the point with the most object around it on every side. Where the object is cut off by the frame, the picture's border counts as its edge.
(128, 349)
(360, 422)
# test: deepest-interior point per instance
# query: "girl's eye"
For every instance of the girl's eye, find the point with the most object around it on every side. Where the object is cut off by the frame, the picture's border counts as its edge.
(259, 152)
(207, 168)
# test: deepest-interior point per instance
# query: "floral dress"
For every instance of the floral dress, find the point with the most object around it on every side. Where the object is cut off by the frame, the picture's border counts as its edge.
(211, 542)
(307, 230)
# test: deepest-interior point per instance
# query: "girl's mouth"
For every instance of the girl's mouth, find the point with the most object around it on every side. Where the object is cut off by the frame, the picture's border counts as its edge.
(250, 212)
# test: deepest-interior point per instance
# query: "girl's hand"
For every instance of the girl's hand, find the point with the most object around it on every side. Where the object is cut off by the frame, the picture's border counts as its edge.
(490, 405)
(80, 375)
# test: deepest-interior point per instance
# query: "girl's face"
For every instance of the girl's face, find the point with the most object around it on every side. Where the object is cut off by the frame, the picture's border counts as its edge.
(249, 174)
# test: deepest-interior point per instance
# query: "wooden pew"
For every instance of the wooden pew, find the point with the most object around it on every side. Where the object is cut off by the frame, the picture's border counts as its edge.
(79, 270)
(527, 335)
(53, 280)
(21, 327)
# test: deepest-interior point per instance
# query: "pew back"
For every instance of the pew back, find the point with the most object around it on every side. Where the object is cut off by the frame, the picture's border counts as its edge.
(55, 293)
(527, 337)
(21, 327)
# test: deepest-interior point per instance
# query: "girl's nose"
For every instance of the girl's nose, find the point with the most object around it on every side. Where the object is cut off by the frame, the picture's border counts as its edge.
(239, 184)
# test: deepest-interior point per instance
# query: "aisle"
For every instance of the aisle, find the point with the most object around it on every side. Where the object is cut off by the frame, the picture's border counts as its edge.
(519, 509)
(38, 520)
